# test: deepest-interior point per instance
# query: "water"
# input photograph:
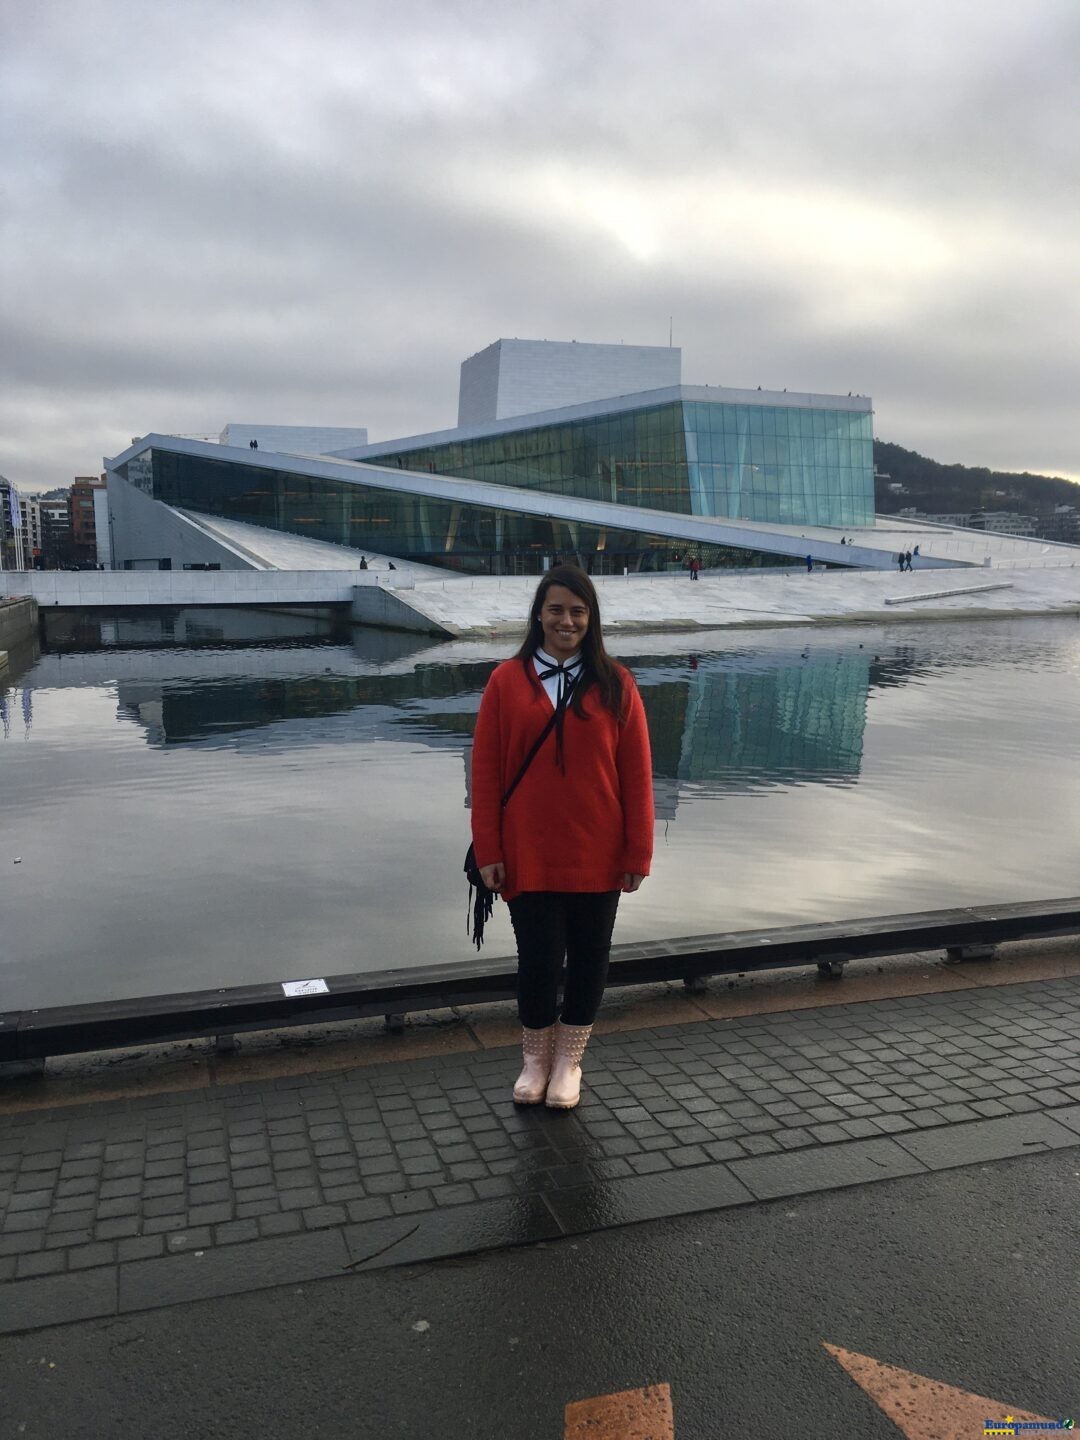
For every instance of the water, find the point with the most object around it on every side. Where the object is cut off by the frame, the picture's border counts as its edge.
(190, 817)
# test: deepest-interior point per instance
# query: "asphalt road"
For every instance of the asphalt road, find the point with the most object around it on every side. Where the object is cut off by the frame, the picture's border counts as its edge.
(967, 1276)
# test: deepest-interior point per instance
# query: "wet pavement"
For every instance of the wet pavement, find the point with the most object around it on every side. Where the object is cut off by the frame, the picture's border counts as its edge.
(962, 1276)
(130, 1204)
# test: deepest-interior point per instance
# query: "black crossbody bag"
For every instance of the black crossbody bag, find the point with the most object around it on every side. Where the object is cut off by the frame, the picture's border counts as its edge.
(484, 902)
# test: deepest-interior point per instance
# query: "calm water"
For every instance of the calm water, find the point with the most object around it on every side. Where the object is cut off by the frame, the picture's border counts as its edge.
(186, 817)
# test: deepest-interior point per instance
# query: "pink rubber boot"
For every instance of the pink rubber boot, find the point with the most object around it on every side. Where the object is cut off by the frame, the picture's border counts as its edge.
(564, 1086)
(536, 1047)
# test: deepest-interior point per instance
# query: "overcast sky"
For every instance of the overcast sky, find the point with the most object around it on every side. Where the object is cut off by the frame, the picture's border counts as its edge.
(304, 213)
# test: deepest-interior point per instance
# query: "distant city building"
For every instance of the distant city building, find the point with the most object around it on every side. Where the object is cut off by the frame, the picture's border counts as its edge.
(83, 517)
(912, 512)
(522, 377)
(12, 548)
(1002, 522)
(1063, 525)
(56, 529)
(30, 509)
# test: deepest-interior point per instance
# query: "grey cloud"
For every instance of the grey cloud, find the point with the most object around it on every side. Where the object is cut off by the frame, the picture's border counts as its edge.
(311, 215)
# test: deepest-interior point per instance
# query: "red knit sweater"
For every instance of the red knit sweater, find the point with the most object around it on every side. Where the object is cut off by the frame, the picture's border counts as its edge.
(581, 830)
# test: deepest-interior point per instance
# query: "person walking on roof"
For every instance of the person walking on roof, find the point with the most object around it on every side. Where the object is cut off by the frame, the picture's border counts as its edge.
(577, 829)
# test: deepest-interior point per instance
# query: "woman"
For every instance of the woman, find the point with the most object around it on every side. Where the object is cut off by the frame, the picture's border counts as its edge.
(578, 828)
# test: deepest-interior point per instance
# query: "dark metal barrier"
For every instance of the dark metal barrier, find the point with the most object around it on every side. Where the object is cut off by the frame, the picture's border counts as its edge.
(31, 1035)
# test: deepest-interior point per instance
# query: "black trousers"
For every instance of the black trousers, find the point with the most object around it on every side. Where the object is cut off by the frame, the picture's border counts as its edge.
(548, 926)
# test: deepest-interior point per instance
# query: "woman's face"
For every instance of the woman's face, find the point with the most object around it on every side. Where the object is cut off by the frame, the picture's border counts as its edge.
(564, 618)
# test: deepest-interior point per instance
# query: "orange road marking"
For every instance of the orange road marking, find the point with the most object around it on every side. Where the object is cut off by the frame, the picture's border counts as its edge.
(921, 1408)
(644, 1414)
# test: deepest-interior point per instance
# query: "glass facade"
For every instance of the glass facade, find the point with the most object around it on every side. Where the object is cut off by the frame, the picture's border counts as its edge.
(781, 464)
(448, 533)
(787, 465)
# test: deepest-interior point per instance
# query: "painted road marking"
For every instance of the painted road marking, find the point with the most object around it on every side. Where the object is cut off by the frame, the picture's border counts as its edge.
(921, 1408)
(644, 1414)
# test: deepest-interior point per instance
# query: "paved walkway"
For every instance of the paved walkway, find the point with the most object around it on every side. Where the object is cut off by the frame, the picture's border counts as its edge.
(128, 1205)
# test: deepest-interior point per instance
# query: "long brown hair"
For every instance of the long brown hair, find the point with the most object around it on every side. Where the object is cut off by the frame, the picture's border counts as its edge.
(598, 667)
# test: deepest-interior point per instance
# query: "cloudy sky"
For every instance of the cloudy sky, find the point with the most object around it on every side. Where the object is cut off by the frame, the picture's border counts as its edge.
(311, 212)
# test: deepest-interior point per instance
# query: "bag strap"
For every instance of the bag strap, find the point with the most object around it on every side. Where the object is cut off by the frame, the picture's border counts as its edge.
(561, 706)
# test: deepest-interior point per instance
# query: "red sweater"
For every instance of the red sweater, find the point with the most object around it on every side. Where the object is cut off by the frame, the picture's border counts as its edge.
(581, 830)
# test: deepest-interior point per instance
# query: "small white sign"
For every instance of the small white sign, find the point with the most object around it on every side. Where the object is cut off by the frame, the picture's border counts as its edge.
(305, 987)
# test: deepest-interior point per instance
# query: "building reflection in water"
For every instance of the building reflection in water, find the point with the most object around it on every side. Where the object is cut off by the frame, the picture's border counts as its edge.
(720, 722)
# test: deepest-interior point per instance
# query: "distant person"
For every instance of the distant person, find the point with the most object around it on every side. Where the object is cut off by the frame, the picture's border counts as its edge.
(809, 564)
(251, 444)
(363, 563)
(907, 560)
(915, 552)
(391, 565)
(843, 540)
(695, 566)
(900, 561)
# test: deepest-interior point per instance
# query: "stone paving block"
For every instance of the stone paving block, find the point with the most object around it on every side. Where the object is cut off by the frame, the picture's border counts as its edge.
(649, 1164)
(214, 1214)
(167, 1185)
(164, 1169)
(118, 1209)
(84, 1185)
(30, 1200)
(71, 1169)
(21, 1244)
(41, 1262)
(85, 1150)
(231, 1270)
(646, 1197)
(61, 1237)
(824, 1168)
(83, 1257)
(984, 1140)
(250, 1183)
(460, 1230)
(235, 1232)
(245, 1208)
(1069, 1117)
(256, 1159)
(119, 1229)
(156, 1154)
(57, 1300)
(193, 1238)
(43, 1160)
(301, 1198)
(206, 1174)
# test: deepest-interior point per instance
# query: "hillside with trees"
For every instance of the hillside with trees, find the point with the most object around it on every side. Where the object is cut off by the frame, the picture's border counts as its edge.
(946, 489)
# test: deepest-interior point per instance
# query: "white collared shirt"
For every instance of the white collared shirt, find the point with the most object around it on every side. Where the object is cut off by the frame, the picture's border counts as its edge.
(543, 661)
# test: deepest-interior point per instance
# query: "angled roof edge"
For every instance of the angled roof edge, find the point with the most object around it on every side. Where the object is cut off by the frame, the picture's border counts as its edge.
(614, 405)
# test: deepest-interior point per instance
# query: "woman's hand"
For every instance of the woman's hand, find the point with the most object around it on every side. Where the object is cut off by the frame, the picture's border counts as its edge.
(493, 876)
(630, 883)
